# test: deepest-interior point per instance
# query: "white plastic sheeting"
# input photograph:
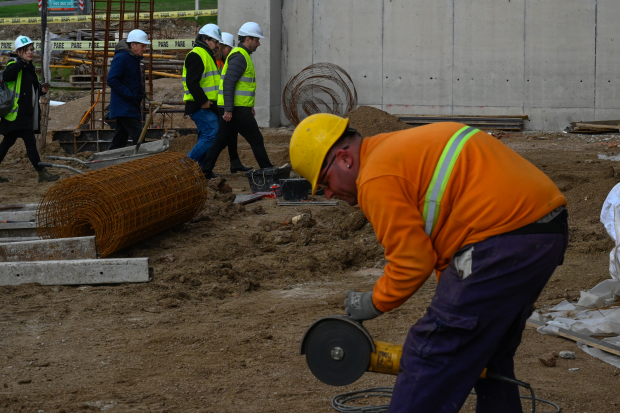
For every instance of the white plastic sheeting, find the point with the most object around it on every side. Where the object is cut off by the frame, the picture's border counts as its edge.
(610, 217)
(596, 313)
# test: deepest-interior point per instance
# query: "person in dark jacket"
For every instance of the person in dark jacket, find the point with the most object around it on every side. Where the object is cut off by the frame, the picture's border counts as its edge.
(24, 120)
(236, 101)
(125, 80)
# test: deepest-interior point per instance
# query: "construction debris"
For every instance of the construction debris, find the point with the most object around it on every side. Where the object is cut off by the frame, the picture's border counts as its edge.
(125, 203)
(82, 248)
(594, 127)
(75, 272)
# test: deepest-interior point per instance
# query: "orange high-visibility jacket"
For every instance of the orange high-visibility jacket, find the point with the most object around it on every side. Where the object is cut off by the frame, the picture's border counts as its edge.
(492, 190)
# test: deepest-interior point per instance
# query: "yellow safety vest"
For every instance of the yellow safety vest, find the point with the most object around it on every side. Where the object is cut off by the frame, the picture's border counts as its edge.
(16, 87)
(245, 89)
(210, 79)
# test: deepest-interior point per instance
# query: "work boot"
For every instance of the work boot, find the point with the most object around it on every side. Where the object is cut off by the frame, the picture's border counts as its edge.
(211, 175)
(45, 176)
(237, 166)
(3, 179)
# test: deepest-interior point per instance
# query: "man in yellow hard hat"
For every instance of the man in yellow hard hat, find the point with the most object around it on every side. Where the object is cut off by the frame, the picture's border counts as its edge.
(451, 199)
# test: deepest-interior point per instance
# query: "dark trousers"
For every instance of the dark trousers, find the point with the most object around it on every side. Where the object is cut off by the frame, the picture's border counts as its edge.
(30, 141)
(244, 123)
(476, 323)
(125, 127)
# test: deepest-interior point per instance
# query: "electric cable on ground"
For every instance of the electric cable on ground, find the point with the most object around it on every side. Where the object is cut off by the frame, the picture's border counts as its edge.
(339, 402)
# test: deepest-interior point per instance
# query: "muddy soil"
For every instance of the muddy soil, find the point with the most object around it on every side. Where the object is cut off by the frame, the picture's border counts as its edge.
(218, 328)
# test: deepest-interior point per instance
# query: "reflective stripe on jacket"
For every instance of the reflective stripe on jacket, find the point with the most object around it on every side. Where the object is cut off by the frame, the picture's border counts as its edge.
(210, 79)
(15, 86)
(245, 89)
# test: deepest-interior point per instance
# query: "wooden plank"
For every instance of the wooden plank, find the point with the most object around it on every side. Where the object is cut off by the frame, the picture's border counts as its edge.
(81, 248)
(246, 199)
(587, 126)
(571, 335)
(76, 272)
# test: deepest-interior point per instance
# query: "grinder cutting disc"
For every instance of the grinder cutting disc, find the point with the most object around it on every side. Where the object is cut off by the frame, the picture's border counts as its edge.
(337, 350)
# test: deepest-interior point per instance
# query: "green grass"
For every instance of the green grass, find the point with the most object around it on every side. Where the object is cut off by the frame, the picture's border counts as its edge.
(31, 10)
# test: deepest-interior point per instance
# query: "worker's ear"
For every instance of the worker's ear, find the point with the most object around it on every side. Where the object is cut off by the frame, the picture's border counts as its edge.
(344, 157)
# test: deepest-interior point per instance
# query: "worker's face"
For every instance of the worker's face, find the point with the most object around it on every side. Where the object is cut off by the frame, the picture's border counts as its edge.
(252, 43)
(138, 48)
(26, 54)
(213, 44)
(339, 180)
(225, 50)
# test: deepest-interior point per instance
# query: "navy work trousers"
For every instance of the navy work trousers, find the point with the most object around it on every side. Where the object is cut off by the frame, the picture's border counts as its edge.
(474, 323)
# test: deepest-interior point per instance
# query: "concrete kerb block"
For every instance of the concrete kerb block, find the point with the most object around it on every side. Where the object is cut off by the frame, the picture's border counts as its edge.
(81, 248)
(18, 229)
(76, 272)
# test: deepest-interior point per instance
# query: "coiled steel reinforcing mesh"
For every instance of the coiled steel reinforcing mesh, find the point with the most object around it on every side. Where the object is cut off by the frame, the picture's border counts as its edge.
(314, 90)
(124, 203)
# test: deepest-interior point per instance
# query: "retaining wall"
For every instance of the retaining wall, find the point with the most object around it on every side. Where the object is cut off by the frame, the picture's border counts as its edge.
(555, 60)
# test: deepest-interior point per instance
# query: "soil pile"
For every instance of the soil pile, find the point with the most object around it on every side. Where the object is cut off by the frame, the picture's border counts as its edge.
(371, 121)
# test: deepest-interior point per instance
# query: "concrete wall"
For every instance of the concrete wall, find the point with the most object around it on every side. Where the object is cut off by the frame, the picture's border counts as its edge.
(554, 60)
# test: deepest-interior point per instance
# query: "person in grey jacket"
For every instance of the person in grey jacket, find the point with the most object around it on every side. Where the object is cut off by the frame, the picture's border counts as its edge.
(237, 117)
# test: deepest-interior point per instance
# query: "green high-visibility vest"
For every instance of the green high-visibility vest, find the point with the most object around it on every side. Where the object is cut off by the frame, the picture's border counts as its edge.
(245, 89)
(210, 79)
(441, 176)
(15, 86)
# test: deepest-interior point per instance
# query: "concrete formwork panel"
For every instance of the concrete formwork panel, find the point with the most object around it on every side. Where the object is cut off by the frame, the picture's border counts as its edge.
(607, 55)
(488, 55)
(559, 54)
(296, 40)
(349, 33)
(417, 56)
(267, 13)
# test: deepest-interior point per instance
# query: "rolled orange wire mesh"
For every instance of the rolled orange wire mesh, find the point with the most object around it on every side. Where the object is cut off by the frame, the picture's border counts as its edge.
(125, 203)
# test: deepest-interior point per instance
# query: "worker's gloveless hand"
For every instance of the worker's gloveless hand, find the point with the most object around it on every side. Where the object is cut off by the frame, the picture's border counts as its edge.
(227, 116)
(206, 105)
(359, 306)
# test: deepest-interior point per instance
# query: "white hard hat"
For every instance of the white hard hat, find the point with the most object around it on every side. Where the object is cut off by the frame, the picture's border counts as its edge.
(212, 31)
(228, 39)
(138, 36)
(22, 41)
(251, 29)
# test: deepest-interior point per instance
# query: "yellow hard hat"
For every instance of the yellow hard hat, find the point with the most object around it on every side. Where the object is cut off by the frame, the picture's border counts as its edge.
(311, 141)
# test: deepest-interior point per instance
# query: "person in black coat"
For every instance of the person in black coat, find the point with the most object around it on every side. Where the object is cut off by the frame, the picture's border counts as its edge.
(28, 120)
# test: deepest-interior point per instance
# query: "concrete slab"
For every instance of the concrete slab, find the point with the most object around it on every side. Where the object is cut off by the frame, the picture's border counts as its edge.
(607, 55)
(18, 239)
(81, 248)
(560, 52)
(417, 52)
(20, 229)
(106, 271)
(488, 53)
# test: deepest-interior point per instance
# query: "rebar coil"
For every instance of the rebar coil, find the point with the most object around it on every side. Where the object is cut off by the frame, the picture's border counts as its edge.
(124, 203)
(319, 88)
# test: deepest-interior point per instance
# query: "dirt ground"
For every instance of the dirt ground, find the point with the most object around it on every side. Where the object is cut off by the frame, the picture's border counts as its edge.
(218, 328)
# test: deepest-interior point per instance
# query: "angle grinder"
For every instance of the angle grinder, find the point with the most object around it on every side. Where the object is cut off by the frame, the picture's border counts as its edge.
(339, 350)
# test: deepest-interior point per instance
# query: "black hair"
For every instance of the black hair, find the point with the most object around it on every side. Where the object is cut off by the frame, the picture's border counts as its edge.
(242, 38)
(25, 48)
(347, 136)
